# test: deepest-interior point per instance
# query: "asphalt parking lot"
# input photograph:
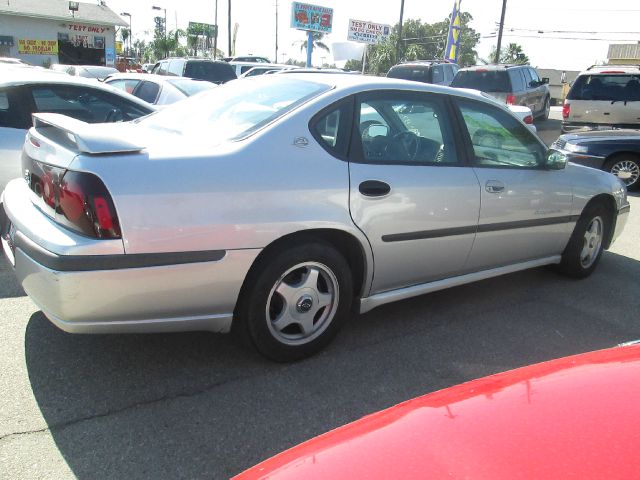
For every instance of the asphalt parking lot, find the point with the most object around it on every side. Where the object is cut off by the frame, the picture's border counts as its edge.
(196, 405)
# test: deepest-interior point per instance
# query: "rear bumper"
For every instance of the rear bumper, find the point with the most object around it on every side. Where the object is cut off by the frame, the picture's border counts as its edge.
(120, 293)
(569, 127)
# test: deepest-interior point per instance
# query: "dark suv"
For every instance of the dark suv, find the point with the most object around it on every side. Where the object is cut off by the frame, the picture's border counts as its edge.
(439, 72)
(511, 84)
(199, 69)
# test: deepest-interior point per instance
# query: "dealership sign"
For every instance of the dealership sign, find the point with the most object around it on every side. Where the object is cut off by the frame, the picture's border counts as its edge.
(38, 47)
(312, 18)
(368, 32)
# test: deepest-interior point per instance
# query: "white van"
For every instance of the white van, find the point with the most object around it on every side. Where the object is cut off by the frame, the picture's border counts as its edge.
(603, 97)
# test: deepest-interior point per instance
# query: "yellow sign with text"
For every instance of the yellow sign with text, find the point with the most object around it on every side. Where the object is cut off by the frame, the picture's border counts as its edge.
(118, 47)
(38, 47)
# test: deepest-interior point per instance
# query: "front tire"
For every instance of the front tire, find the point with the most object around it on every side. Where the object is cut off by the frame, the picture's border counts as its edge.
(626, 168)
(584, 250)
(546, 110)
(296, 301)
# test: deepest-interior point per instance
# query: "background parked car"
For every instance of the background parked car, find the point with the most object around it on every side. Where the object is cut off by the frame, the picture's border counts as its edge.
(575, 417)
(615, 151)
(85, 71)
(24, 91)
(264, 68)
(12, 61)
(247, 58)
(200, 69)
(606, 96)
(157, 89)
(445, 187)
(511, 84)
(438, 72)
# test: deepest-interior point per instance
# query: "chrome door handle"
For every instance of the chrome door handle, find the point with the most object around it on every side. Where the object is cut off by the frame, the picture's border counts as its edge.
(494, 186)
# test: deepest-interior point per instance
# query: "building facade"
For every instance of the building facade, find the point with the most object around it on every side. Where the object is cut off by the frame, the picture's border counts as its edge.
(47, 32)
(624, 54)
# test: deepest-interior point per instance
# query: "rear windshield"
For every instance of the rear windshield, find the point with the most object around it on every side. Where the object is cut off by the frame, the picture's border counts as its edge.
(407, 72)
(615, 87)
(483, 80)
(216, 72)
(191, 87)
(236, 109)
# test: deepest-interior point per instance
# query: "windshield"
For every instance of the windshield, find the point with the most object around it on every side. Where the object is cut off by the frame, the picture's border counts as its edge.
(191, 87)
(623, 88)
(236, 109)
(483, 80)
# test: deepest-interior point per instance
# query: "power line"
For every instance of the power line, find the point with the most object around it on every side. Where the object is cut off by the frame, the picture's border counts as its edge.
(564, 38)
(545, 30)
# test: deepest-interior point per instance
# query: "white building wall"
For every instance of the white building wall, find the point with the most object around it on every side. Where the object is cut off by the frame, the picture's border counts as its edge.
(26, 28)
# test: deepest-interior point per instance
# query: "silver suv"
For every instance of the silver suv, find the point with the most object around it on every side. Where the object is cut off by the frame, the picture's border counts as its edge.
(511, 84)
(603, 97)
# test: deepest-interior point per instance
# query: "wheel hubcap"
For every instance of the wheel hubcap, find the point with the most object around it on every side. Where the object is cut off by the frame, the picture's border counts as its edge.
(302, 303)
(627, 171)
(592, 242)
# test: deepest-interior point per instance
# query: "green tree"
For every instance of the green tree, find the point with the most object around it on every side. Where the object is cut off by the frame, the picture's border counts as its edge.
(317, 42)
(353, 65)
(512, 53)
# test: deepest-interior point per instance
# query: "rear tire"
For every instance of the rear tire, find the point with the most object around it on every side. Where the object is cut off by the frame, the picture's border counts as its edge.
(584, 250)
(627, 168)
(546, 110)
(295, 301)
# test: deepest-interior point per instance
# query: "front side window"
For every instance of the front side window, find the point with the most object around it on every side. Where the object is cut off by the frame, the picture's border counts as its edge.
(498, 139)
(405, 128)
(148, 92)
(85, 104)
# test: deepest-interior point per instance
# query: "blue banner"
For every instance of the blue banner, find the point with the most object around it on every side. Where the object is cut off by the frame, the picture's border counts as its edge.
(453, 39)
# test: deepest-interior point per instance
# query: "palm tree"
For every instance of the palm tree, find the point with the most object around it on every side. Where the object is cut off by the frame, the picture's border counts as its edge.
(317, 42)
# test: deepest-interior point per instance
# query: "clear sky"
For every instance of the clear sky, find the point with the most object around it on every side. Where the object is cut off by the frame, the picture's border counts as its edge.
(616, 21)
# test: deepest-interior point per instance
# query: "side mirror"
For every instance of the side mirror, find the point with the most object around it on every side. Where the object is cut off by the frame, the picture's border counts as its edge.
(556, 160)
(545, 81)
(377, 130)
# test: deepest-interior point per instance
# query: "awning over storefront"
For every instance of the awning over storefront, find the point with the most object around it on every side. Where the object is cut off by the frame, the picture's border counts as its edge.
(6, 41)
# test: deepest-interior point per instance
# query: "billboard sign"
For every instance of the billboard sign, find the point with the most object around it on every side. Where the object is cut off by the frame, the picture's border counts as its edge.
(368, 32)
(312, 18)
(37, 47)
(206, 29)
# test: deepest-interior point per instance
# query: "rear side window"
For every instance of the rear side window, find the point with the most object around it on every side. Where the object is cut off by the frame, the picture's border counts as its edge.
(128, 85)
(86, 104)
(148, 91)
(483, 80)
(517, 80)
(624, 88)
(407, 72)
(176, 67)
(438, 74)
(10, 114)
(332, 129)
(216, 72)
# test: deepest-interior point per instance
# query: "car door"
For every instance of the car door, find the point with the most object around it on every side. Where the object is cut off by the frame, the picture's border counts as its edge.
(15, 120)
(526, 208)
(410, 192)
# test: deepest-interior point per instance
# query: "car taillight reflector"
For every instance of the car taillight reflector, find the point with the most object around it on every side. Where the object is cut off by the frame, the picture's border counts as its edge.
(528, 120)
(566, 110)
(511, 99)
(105, 220)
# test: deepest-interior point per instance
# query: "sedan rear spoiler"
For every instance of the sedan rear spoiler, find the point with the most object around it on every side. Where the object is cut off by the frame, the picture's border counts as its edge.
(92, 139)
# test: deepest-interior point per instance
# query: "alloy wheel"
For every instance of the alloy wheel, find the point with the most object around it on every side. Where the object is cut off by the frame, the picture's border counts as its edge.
(592, 242)
(626, 170)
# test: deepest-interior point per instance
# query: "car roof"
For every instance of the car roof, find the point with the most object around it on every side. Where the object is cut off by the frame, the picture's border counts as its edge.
(611, 69)
(493, 67)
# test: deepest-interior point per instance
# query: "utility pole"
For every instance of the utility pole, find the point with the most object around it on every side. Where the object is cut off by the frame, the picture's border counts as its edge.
(229, 28)
(276, 57)
(215, 37)
(504, 8)
(400, 32)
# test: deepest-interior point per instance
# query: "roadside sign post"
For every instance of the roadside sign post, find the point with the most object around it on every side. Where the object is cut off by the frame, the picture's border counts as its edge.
(311, 18)
(369, 33)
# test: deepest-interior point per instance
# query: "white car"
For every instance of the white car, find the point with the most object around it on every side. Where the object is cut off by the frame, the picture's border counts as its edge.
(25, 91)
(268, 206)
(157, 89)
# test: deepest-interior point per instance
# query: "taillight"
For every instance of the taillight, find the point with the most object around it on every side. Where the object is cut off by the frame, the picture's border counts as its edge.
(77, 200)
(528, 119)
(511, 99)
(566, 109)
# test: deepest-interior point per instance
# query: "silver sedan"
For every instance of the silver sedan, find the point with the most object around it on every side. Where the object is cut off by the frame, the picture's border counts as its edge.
(270, 207)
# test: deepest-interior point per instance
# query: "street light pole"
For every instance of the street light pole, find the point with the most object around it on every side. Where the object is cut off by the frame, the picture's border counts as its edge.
(504, 8)
(399, 32)
(166, 49)
(229, 28)
(215, 38)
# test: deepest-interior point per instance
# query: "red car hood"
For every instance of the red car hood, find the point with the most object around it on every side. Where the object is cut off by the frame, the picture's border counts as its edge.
(576, 417)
